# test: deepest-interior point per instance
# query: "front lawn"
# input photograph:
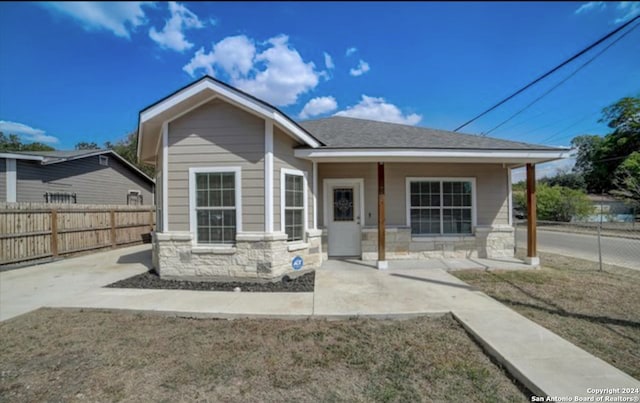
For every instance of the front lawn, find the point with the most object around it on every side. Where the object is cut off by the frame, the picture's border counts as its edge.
(597, 311)
(61, 355)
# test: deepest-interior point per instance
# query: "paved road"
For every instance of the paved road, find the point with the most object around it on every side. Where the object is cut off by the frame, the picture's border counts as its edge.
(617, 251)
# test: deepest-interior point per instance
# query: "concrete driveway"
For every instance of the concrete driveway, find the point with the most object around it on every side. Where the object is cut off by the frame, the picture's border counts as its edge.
(29, 288)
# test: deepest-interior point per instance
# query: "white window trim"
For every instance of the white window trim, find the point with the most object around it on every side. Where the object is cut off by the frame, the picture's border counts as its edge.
(103, 160)
(305, 207)
(193, 221)
(137, 192)
(474, 205)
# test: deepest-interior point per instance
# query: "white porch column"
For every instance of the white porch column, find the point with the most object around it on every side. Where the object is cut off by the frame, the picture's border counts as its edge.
(268, 176)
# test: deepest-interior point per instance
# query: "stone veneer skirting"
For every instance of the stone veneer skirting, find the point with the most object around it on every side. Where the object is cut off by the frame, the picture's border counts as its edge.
(268, 257)
(487, 242)
(255, 256)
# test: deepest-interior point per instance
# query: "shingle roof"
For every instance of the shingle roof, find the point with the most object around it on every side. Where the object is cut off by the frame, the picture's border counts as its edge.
(57, 156)
(62, 154)
(345, 132)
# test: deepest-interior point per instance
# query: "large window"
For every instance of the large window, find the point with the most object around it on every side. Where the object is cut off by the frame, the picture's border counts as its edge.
(294, 204)
(214, 204)
(440, 206)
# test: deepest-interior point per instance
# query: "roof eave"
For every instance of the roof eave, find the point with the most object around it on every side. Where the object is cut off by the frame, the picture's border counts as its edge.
(10, 155)
(517, 157)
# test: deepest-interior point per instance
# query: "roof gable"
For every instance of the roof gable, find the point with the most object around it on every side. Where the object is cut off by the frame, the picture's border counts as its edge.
(200, 92)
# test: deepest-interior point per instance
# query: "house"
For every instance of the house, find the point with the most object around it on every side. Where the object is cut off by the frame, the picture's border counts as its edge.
(246, 192)
(609, 209)
(79, 176)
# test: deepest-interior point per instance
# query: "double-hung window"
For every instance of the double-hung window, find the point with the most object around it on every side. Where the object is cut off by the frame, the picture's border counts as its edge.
(440, 206)
(293, 185)
(215, 204)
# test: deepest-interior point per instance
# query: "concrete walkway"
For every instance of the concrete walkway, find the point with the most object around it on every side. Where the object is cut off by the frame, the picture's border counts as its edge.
(541, 360)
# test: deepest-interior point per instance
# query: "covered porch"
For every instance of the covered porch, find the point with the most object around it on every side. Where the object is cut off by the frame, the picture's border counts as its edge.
(448, 215)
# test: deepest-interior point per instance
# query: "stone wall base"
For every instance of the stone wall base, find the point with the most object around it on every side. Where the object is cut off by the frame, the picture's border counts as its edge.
(487, 242)
(254, 257)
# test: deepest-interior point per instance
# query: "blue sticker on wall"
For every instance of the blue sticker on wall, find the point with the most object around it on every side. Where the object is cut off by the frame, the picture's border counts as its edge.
(297, 263)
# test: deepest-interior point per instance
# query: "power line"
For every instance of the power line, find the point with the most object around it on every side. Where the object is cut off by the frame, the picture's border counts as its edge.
(548, 73)
(550, 90)
(582, 119)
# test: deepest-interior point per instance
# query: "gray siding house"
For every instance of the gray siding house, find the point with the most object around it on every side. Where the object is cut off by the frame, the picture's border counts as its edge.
(245, 192)
(79, 176)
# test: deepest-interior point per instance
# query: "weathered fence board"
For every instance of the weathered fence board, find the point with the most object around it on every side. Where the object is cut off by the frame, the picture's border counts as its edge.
(30, 231)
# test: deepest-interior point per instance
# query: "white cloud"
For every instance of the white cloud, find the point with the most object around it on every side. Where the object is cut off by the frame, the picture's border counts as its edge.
(591, 6)
(629, 9)
(119, 17)
(351, 51)
(625, 10)
(378, 109)
(28, 132)
(328, 61)
(318, 106)
(362, 68)
(278, 74)
(234, 55)
(172, 35)
(200, 60)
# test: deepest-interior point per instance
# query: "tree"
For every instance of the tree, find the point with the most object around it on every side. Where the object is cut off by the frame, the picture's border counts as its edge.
(571, 180)
(623, 116)
(627, 180)
(599, 157)
(588, 162)
(557, 203)
(13, 143)
(127, 148)
(86, 146)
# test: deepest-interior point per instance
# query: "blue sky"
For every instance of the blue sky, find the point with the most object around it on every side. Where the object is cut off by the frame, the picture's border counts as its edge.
(75, 72)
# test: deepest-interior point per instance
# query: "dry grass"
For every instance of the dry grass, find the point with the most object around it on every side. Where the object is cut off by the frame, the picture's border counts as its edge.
(597, 311)
(59, 355)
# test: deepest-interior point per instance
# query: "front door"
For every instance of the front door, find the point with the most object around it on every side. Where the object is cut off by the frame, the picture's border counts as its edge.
(344, 218)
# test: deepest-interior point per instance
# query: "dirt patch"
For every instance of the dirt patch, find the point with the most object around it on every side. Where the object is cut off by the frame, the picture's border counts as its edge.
(304, 283)
(596, 310)
(59, 355)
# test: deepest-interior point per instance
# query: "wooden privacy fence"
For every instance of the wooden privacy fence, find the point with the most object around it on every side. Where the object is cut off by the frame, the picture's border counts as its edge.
(30, 231)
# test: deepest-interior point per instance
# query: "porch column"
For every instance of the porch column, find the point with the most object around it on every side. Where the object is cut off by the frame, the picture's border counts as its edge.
(382, 262)
(532, 241)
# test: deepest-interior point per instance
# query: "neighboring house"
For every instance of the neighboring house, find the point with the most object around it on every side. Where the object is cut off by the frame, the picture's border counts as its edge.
(243, 191)
(79, 177)
(609, 209)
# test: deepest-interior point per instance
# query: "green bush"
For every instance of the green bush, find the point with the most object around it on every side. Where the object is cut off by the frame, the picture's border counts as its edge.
(556, 203)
